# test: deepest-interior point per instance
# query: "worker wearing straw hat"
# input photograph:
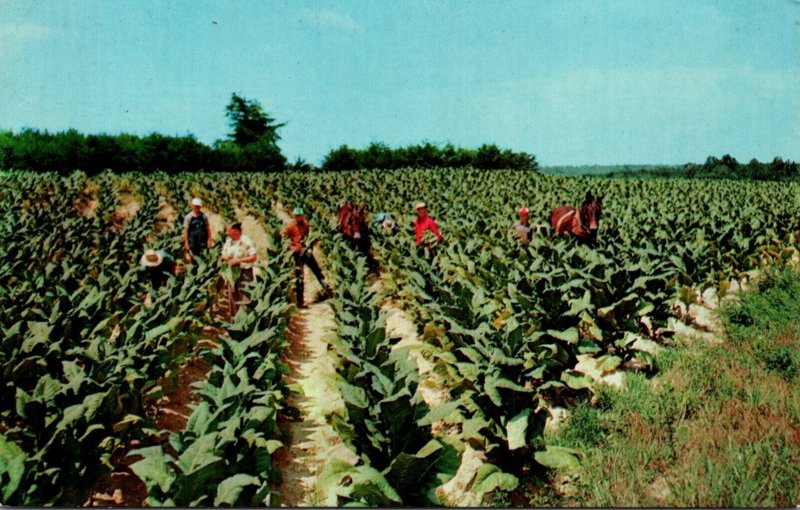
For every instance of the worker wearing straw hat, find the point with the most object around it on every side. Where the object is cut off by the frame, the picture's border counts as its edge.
(156, 266)
(303, 256)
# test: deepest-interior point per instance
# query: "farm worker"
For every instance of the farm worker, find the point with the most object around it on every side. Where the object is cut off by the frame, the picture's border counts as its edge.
(196, 231)
(296, 232)
(385, 220)
(523, 228)
(156, 266)
(239, 251)
(425, 222)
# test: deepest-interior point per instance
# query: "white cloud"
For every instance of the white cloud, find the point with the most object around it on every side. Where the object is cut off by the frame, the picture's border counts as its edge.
(14, 36)
(23, 32)
(326, 18)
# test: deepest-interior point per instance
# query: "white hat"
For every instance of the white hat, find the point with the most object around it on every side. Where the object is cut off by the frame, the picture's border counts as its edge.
(197, 201)
(151, 258)
(420, 205)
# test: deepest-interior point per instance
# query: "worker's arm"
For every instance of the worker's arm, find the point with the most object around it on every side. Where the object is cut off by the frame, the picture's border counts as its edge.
(186, 238)
(419, 232)
(247, 260)
(251, 256)
(435, 229)
(208, 231)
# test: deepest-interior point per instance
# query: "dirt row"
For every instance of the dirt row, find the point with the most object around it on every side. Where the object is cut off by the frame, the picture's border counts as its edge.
(122, 487)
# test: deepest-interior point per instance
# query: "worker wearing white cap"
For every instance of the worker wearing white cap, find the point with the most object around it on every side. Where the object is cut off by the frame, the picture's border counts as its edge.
(523, 229)
(196, 231)
(424, 223)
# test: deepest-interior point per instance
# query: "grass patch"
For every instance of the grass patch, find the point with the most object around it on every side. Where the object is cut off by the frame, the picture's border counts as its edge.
(718, 426)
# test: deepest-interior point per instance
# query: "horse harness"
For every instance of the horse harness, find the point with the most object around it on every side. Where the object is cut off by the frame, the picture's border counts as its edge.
(577, 222)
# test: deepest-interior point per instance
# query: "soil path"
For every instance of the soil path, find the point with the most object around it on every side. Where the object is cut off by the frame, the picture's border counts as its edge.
(313, 383)
(254, 229)
(87, 204)
(217, 222)
(127, 209)
(166, 214)
(122, 487)
(398, 325)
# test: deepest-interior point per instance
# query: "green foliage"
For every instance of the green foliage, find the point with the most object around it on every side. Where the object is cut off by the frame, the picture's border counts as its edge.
(253, 148)
(716, 427)
(254, 138)
(250, 123)
(81, 358)
(715, 168)
(387, 420)
(379, 156)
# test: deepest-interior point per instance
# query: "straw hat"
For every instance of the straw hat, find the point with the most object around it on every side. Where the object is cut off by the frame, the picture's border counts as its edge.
(420, 205)
(151, 258)
(196, 201)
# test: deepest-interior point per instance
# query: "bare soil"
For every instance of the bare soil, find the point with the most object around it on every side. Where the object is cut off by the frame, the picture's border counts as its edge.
(122, 487)
(311, 440)
(128, 208)
(216, 221)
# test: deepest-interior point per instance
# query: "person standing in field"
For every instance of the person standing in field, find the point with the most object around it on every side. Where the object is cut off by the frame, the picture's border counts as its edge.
(196, 231)
(523, 229)
(424, 223)
(240, 252)
(297, 232)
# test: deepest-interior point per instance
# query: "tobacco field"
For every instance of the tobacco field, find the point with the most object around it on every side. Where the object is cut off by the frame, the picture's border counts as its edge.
(503, 328)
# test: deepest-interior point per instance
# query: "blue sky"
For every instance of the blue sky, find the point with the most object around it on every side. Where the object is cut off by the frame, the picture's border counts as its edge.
(573, 82)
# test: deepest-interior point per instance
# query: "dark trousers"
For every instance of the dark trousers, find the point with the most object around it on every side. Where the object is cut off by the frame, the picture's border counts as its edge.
(305, 259)
(236, 294)
(364, 246)
(159, 275)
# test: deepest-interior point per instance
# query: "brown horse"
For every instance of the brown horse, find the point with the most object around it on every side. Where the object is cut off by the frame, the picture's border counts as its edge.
(581, 222)
(353, 225)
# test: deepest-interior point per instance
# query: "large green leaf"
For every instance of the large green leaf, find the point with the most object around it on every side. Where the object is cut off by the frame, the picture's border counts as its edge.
(570, 335)
(155, 469)
(229, 489)
(198, 455)
(12, 467)
(490, 478)
(516, 429)
(558, 457)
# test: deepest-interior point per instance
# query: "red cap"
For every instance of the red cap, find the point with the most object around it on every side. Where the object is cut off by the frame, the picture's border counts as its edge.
(524, 210)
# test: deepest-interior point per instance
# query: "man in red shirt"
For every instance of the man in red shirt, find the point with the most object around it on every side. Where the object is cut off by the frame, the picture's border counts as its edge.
(296, 232)
(425, 222)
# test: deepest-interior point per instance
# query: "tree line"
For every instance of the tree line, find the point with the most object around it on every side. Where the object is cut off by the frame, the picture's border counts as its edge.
(379, 155)
(723, 168)
(251, 146)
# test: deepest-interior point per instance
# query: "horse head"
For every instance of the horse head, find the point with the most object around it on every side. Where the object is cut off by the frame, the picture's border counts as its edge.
(591, 210)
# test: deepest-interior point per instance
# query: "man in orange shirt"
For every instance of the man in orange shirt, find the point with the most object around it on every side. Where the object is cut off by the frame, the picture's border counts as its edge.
(296, 232)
